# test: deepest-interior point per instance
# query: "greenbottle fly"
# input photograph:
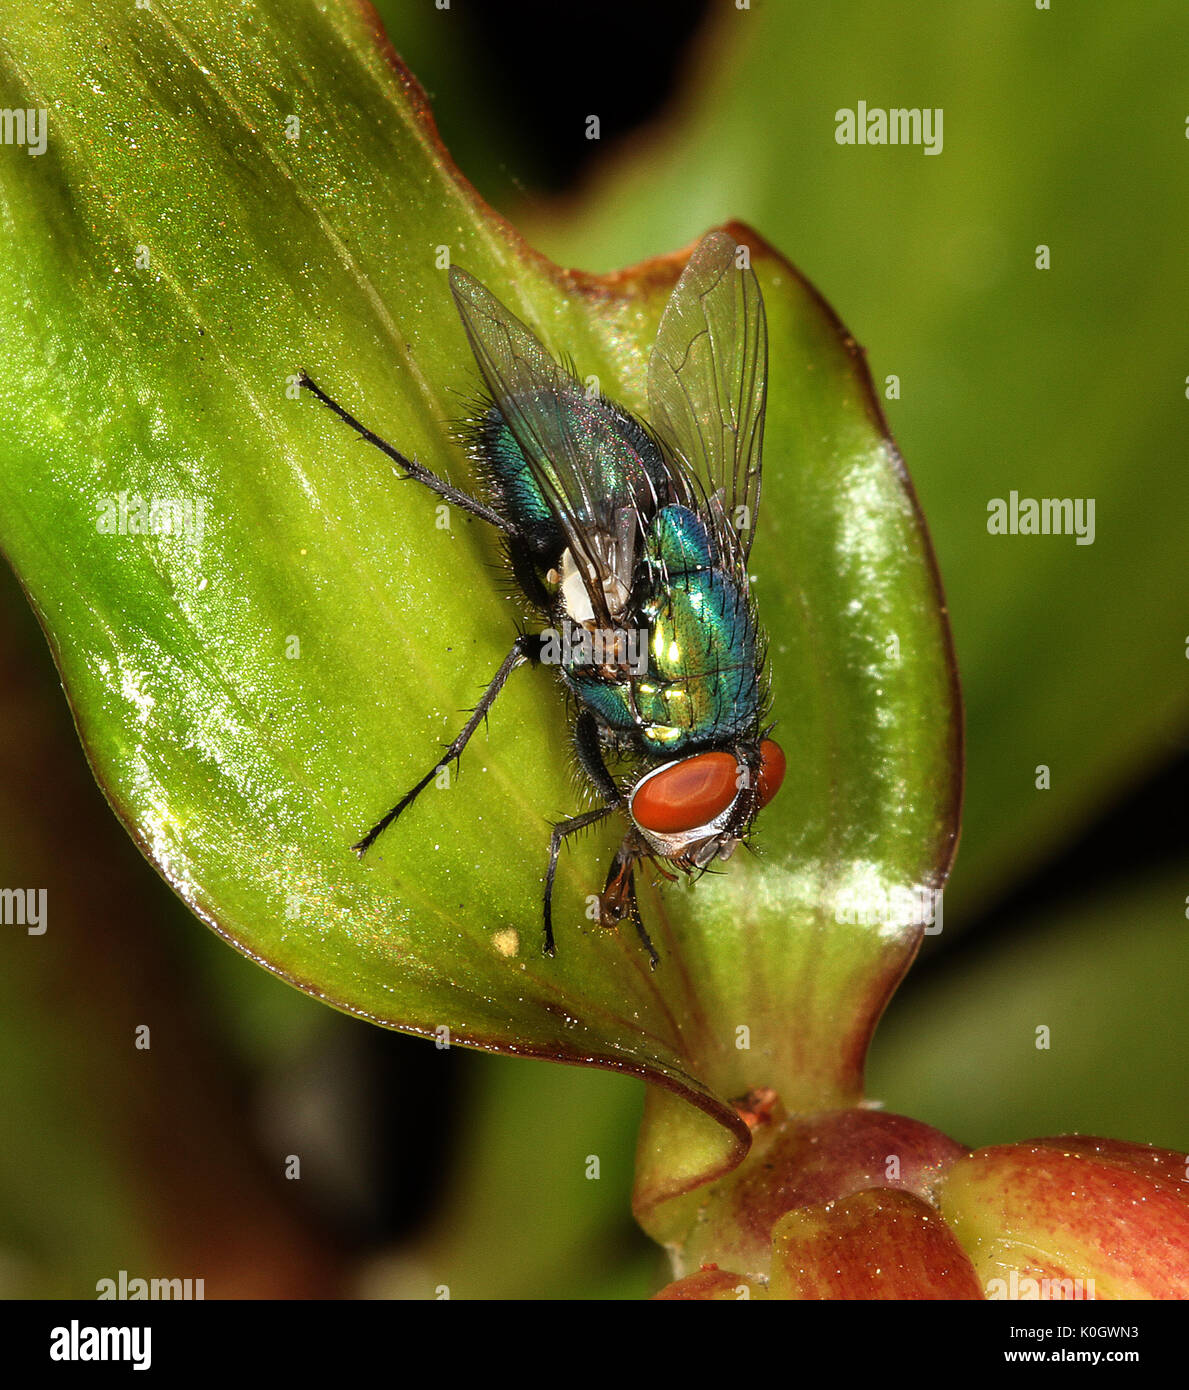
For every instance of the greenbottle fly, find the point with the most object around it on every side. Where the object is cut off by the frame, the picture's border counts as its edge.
(631, 541)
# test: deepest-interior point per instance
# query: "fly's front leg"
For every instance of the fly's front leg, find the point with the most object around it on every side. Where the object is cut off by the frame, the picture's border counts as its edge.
(527, 647)
(560, 831)
(618, 898)
(588, 748)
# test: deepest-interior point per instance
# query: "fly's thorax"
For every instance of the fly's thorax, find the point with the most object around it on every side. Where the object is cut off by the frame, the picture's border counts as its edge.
(621, 466)
(703, 685)
(699, 682)
(696, 809)
(510, 484)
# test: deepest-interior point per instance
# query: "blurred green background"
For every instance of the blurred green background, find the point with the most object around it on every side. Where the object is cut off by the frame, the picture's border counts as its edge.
(1067, 908)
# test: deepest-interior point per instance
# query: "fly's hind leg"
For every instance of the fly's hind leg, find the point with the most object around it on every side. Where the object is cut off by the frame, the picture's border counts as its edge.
(526, 648)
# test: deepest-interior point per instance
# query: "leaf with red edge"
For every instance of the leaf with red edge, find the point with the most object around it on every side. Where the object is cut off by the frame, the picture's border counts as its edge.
(254, 692)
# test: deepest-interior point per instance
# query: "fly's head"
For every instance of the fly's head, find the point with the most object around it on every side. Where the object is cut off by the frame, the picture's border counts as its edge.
(696, 809)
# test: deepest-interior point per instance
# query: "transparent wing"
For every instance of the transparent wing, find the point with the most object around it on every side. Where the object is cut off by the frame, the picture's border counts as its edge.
(564, 439)
(708, 384)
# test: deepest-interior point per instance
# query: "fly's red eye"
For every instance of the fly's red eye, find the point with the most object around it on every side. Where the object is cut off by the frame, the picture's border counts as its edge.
(771, 771)
(687, 795)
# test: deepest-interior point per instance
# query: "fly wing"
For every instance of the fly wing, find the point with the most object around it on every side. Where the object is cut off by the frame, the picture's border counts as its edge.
(563, 438)
(708, 384)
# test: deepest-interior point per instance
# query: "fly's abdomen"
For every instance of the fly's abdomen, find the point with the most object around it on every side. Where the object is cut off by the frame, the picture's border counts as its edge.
(622, 467)
(514, 491)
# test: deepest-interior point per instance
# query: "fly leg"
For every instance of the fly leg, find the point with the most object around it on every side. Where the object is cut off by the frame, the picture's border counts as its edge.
(561, 830)
(590, 757)
(412, 468)
(619, 899)
(527, 647)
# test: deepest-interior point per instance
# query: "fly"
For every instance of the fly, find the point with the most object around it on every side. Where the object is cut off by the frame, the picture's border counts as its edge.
(632, 542)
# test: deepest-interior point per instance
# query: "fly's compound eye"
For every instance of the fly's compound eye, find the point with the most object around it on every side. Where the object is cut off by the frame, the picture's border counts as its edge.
(771, 773)
(688, 794)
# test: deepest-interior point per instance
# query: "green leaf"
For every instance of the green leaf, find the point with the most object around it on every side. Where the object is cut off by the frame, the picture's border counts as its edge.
(1067, 382)
(253, 699)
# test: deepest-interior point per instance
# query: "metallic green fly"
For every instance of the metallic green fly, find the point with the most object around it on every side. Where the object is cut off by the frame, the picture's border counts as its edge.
(631, 541)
